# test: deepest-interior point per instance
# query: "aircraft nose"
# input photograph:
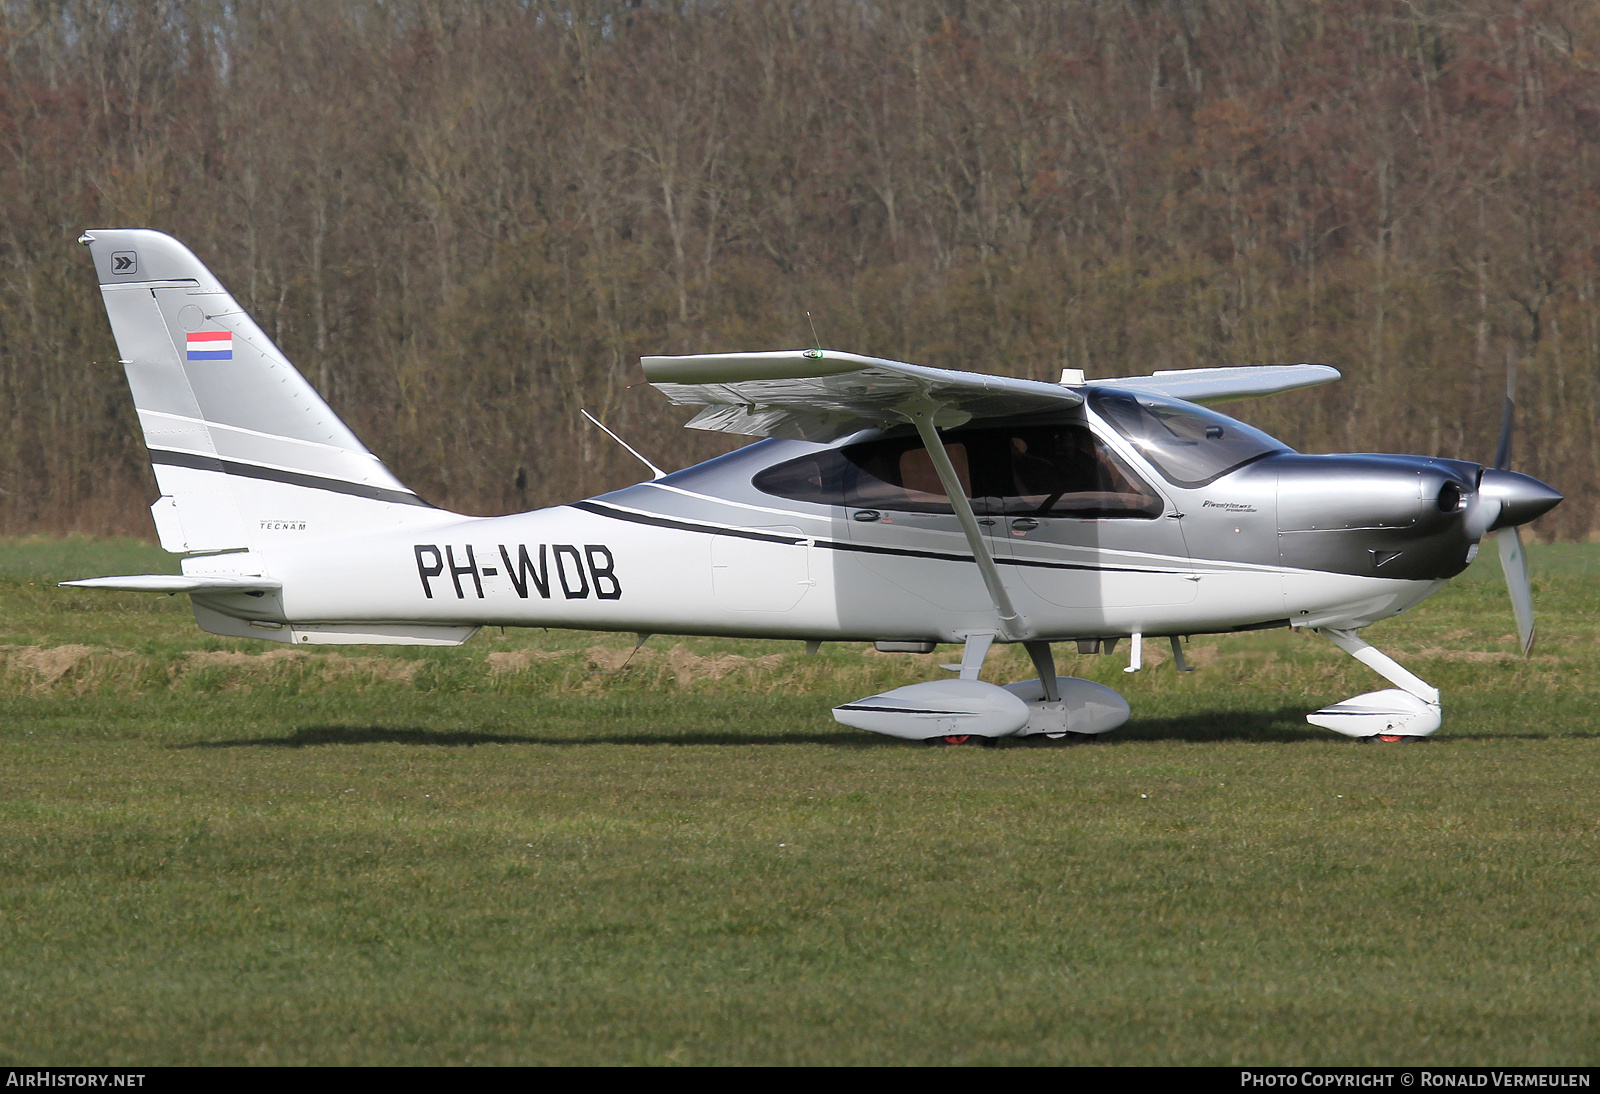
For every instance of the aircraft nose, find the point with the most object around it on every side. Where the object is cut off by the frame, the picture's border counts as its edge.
(1522, 497)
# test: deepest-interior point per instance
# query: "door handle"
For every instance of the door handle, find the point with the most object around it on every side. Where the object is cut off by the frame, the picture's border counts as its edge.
(1024, 524)
(864, 515)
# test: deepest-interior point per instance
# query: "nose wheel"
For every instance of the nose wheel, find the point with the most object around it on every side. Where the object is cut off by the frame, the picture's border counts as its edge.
(1412, 709)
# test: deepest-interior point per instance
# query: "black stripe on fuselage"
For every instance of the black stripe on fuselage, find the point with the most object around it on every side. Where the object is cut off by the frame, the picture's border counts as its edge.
(200, 462)
(909, 710)
(654, 521)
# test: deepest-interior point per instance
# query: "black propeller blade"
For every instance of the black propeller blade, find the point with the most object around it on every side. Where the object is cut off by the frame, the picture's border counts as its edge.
(1502, 453)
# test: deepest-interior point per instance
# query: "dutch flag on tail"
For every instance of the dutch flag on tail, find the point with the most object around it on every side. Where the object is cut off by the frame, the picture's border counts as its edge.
(211, 345)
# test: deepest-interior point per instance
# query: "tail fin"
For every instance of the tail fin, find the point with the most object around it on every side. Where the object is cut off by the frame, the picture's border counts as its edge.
(245, 451)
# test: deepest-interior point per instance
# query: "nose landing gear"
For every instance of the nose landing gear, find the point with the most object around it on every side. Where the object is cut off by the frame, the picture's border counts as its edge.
(1409, 713)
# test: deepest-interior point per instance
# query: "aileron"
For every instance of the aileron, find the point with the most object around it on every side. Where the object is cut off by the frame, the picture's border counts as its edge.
(1219, 385)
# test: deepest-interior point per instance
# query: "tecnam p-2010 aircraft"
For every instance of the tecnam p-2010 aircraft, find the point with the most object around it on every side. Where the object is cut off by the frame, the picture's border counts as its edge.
(890, 502)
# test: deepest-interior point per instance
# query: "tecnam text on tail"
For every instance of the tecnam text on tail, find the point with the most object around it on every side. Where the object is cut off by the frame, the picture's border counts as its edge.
(889, 502)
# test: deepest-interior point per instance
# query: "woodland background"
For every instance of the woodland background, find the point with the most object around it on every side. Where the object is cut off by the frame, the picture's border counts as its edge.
(464, 221)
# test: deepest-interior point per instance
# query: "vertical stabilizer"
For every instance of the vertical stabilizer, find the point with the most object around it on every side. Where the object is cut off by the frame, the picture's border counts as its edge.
(245, 451)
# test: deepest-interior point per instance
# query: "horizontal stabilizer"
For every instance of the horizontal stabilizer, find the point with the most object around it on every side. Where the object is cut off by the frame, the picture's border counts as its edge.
(822, 395)
(1219, 385)
(330, 634)
(180, 583)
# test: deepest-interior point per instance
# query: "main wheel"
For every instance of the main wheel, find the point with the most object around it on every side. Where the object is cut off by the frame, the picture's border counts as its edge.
(962, 739)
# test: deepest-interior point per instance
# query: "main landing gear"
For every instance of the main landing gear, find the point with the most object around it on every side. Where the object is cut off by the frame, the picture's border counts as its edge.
(968, 711)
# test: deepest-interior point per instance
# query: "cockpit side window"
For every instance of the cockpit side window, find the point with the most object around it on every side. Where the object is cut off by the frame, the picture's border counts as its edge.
(900, 475)
(1042, 470)
(1066, 471)
(1190, 445)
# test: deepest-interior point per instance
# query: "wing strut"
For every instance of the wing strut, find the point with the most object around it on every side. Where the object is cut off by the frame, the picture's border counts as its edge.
(1012, 624)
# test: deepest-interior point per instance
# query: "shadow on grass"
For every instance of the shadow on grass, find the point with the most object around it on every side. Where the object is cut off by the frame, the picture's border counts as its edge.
(1284, 725)
(311, 736)
(1556, 734)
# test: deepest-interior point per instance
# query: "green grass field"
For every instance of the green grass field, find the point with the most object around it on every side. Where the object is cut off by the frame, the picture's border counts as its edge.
(523, 851)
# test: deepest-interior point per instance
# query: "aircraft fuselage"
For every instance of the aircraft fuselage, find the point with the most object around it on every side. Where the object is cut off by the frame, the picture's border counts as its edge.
(1284, 540)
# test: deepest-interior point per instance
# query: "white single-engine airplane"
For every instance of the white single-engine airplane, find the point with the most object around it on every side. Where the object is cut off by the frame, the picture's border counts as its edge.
(891, 503)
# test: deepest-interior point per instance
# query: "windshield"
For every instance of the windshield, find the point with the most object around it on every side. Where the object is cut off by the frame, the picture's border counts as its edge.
(1188, 444)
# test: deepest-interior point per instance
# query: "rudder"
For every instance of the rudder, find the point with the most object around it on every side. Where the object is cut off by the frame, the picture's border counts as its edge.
(245, 450)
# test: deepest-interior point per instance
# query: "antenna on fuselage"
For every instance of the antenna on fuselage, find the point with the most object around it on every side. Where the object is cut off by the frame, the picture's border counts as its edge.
(655, 472)
(815, 341)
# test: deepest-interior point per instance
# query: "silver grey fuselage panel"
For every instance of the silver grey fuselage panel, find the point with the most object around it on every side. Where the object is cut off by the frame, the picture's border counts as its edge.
(1281, 539)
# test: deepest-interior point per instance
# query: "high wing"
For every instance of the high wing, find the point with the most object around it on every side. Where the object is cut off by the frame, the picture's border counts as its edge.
(822, 395)
(1219, 385)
